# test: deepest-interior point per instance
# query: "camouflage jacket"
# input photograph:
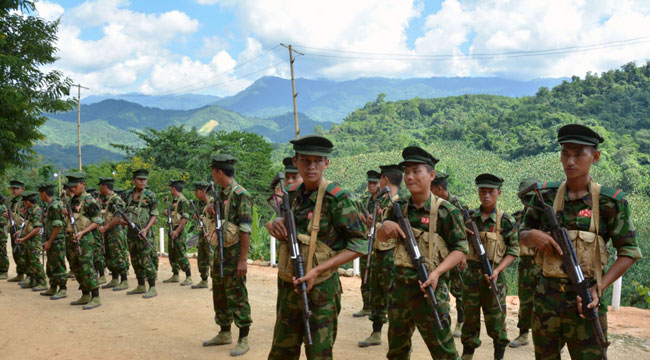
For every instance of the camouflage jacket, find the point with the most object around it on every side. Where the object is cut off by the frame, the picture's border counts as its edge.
(615, 218)
(367, 202)
(54, 217)
(240, 206)
(143, 208)
(508, 229)
(108, 204)
(340, 224)
(32, 220)
(180, 209)
(16, 207)
(3, 221)
(87, 204)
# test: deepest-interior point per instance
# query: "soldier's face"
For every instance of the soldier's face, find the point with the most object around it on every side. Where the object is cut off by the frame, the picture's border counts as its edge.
(199, 193)
(488, 196)
(310, 167)
(15, 191)
(78, 189)
(577, 159)
(372, 186)
(103, 189)
(173, 191)
(140, 183)
(292, 178)
(417, 178)
(437, 190)
(43, 196)
(28, 204)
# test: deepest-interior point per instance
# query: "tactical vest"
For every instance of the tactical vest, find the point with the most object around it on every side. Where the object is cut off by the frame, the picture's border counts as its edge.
(135, 212)
(82, 221)
(176, 216)
(106, 214)
(526, 251)
(313, 251)
(432, 247)
(389, 243)
(208, 222)
(494, 243)
(230, 230)
(590, 247)
(29, 226)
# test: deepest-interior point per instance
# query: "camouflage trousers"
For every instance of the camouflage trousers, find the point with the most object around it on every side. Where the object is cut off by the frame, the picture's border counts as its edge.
(556, 321)
(144, 258)
(117, 255)
(408, 309)
(56, 269)
(178, 253)
(34, 267)
(4, 257)
(456, 289)
(380, 279)
(365, 287)
(229, 294)
(98, 249)
(476, 296)
(529, 272)
(83, 265)
(289, 330)
(18, 253)
(205, 254)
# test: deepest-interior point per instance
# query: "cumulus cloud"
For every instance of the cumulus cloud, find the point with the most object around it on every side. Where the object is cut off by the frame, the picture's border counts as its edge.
(48, 10)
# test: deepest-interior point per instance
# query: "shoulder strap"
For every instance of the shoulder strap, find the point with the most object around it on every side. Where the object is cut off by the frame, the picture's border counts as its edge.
(227, 206)
(433, 224)
(558, 202)
(314, 224)
(594, 227)
(499, 217)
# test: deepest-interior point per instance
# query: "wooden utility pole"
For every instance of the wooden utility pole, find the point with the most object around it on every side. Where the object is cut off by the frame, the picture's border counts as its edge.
(293, 87)
(79, 87)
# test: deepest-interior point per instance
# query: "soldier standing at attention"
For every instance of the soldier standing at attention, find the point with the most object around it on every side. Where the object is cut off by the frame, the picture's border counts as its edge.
(28, 239)
(180, 215)
(204, 249)
(439, 188)
(81, 249)
(17, 187)
(498, 231)
(368, 202)
(437, 225)
(142, 208)
(53, 221)
(117, 256)
(229, 293)
(593, 215)
(99, 257)
(4, 257)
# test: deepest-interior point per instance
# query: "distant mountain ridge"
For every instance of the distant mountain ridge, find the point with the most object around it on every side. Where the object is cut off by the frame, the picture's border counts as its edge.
(165, 102)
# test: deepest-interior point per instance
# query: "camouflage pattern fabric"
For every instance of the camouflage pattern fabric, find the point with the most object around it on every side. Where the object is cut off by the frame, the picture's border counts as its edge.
(143, 257)
(56, 268)
(4, 257)
(117, 256)
(204, 250)
(240, 209)
(455, 283)
(229, 294)
(84, 265)
(178, 253)
(529, 274)
(289, 330)
(381, 278)
(98, 247)
(368, 203)
(32, 248)
(18, 254)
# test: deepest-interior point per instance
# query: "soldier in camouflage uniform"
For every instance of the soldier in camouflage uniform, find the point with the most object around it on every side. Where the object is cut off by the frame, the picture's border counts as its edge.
(593, 215)
(29, 240)
(229, 293)
(436, 225)
(439, 188)
(178, 248)
(16, 204)
(380, 276)
(204, 249)
(339, 238)
(81, 249)
(65, 199)
(367, 202)
(498, 232)
(53, 223)
(4, 257)
(528, 273)
(142, 208)
(114, 234)
(99, 257)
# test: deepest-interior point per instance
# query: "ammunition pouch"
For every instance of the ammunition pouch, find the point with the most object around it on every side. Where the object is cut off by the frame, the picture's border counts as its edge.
(322, 253)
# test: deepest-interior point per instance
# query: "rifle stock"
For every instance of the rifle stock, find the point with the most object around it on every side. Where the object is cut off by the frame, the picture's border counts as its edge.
(73, 224)
(219, 226)
(199, 220)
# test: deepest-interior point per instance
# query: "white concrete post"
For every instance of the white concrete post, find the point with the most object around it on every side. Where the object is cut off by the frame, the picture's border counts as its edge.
(616, 294)
(273, 262)
(355, 265)
(162, 240)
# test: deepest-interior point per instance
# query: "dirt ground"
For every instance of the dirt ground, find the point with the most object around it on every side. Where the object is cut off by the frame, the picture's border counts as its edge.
(173, 325)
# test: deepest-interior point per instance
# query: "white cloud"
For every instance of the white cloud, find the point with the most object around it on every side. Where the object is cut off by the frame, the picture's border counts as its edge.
(48, 10)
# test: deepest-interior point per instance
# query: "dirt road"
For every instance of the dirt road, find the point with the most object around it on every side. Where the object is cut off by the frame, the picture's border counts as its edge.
(172, 325)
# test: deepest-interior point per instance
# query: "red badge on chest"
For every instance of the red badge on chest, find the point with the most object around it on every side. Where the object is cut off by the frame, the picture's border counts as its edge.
(585, 213)
(379, 211)
(425, 220)
(310, 215)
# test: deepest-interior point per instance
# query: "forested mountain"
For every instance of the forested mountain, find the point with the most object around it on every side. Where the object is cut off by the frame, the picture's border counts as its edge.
(165, 102)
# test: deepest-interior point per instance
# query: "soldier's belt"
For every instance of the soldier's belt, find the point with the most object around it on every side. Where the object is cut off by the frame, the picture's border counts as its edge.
(560, 284)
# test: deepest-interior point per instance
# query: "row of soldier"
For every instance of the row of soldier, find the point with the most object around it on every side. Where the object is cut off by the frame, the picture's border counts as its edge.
(333, 228)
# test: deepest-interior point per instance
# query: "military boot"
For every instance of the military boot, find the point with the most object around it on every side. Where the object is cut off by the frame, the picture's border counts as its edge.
(372, 340)
(95, 302)
(223, 338)
(27, 284)
(62, 293)
(201, 285)
(140, 289)
(17, 278)
(241, 348)
(468, 353)
(187, 281)
(122, 286)
(83, 300)
(173, 279)
(70, 275)
(111, 284)
(39, 287)
(3, 276)
(458, 330)
(361, 313)
(49, 292)
(521, 340)
(24, 281)
(102, 280)
(150, 293)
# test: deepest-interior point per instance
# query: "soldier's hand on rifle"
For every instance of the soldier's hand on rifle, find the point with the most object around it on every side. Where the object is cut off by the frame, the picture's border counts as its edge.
(278, 230)
(432, 280)
(462, 265)
(174, 234)
(591, 305)
(19, 240)
(495, 276)
(65, 211)
(392, 230)
(309, 279)
(17, 235)
(143, 233)
(242, 267)
(210, 209)
(544, 242)
(195, 217)
(101, 229)
(5, 215)
(123, 222)
(363, 218)
(165, 212)
(47, 245)
(77, 236)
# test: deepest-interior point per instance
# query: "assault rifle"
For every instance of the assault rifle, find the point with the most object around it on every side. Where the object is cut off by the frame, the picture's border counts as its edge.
(570, 263)
(42, 233)
(132, 225)
(417, 259)
(73, 224)
(484, 261)
(297, 262)
(219, 226)
(12, 223)
(200, 221)
(371, 235)
(170, 224)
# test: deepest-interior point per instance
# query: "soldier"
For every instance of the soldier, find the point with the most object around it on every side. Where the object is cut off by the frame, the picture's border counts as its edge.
(205, 251)
(368, 203)
(528, 273)
(81, 249)
(439, 188)
(4, 257)
(65, 199)
(338, 239)
(114, 234)
(30, 243)
(17, 187)
(53, 222)
(437, 225)
(291, 175)
(498, 231)
(229, 293)
(178, 252)
(142, 208)
(593, 215)
(381, 271)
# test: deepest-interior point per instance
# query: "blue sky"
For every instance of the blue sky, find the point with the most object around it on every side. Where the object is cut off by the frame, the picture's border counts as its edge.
(220, 46)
